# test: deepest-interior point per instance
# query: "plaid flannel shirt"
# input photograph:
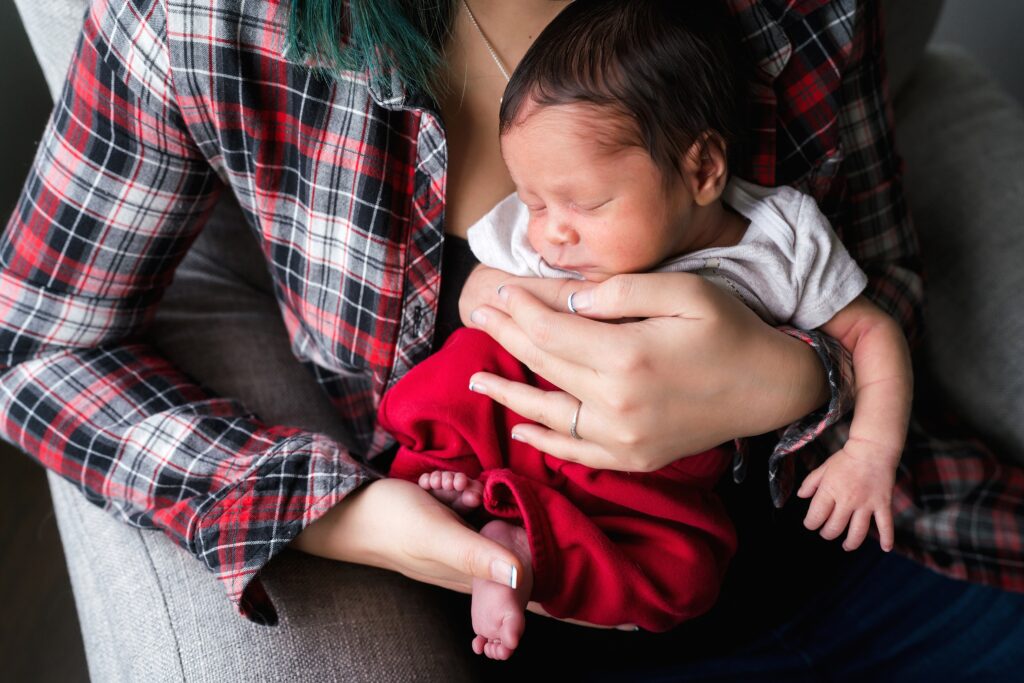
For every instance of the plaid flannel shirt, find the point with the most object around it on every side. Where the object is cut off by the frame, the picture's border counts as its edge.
(169, 102)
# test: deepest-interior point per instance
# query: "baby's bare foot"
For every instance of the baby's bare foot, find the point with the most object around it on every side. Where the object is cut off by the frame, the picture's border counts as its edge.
(454, 488)
(499, 612)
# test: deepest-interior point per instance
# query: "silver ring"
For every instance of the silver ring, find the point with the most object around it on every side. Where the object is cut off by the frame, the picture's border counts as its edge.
(572, 309)
(575, 419)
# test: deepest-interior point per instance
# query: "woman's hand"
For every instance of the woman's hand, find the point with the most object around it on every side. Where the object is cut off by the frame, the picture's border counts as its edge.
(396, 525)
(698, 370)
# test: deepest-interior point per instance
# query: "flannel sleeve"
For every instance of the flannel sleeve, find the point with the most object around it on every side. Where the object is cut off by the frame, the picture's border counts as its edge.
(875, 222)
(115, 196)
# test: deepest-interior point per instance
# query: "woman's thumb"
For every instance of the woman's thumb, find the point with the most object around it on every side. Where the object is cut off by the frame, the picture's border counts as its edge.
(483, 558)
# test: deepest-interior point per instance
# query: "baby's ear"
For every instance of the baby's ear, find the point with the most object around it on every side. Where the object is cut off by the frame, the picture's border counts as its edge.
(706, 168)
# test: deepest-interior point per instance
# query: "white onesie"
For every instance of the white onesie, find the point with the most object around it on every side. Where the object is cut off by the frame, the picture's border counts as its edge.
(790, 267)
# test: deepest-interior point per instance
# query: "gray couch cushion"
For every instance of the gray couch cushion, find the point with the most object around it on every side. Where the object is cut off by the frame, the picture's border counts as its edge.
(963, 141)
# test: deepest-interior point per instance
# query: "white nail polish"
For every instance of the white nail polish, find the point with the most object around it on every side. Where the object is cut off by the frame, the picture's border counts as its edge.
(503, 572)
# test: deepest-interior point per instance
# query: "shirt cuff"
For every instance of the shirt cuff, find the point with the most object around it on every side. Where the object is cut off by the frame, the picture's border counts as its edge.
(839, 368)
(302, 478)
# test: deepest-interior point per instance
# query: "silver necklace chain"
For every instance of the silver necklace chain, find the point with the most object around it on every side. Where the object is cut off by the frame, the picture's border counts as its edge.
(490, 48)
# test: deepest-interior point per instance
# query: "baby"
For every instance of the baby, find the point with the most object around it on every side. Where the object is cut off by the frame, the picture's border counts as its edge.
(617, 128)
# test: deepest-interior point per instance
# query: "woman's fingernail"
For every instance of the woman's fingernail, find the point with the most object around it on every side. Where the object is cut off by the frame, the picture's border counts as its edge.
(504, 573)
(477, 387)
(581, 301)
(516, 436)
(478, 316)
(501, 287)
(502, 293)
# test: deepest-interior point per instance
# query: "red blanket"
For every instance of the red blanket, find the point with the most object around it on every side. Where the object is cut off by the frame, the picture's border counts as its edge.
(608, 547)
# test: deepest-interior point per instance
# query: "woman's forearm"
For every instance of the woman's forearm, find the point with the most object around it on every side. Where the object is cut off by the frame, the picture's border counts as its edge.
(396, 525)
(796, 384)
(342, 532)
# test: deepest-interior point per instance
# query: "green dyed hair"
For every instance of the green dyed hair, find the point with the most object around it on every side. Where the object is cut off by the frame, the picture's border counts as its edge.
(402, 38)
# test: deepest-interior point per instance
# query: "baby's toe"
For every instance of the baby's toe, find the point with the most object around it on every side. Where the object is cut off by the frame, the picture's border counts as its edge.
(471, 499)
(497, 650)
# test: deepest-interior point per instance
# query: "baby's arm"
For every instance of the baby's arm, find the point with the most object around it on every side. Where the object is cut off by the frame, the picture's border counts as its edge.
(856, 482)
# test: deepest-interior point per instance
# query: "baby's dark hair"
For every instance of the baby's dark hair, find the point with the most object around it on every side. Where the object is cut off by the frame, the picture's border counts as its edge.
(672, 69)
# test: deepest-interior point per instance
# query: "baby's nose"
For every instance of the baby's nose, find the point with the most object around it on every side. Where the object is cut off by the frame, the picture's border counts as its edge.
(561, 233)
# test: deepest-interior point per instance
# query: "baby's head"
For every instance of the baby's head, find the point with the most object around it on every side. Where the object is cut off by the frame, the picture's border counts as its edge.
(617, 127)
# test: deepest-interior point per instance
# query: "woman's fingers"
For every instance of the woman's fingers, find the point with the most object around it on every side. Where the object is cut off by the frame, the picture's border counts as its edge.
(552, 408)
(644, 295)
(557, 330)
(562, 371)
(485, 286)
(566, 448)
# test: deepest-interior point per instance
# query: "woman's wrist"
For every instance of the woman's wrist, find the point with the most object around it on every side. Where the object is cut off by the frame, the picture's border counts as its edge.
(795, 383)
(341, 533)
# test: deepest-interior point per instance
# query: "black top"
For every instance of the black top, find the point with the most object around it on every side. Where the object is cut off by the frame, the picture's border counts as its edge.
(456, 264)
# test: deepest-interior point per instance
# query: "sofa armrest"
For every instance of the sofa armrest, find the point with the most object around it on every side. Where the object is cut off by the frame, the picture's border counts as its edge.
(962, 138)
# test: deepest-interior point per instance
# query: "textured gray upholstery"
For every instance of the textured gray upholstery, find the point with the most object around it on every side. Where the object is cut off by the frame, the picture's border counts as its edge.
(908, 26)
(962, 138)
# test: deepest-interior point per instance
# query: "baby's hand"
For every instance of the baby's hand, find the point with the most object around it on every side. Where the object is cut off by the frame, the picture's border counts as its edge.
(849, 488)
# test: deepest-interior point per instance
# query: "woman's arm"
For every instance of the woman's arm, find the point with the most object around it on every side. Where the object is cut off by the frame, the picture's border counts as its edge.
(396, 525)
(116, 194)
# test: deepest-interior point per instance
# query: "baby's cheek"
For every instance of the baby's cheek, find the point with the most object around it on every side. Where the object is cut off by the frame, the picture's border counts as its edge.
(534, 235)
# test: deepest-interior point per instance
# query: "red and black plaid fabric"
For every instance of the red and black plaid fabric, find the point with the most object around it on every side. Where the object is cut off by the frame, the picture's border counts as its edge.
(168, 104)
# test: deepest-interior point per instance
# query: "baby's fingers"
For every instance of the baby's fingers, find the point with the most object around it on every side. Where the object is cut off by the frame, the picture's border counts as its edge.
(886, 532)
(819, 511)
(836, 523)
(860, 524)
(811, 482)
